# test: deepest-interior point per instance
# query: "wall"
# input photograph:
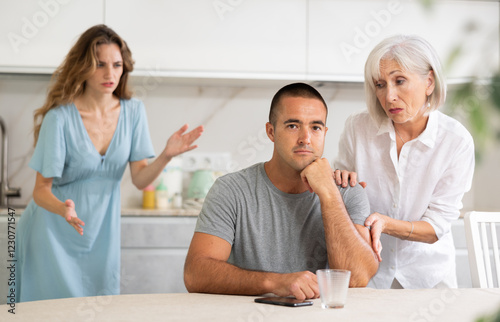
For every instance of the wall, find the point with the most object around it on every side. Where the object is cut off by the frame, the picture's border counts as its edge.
(233, 116)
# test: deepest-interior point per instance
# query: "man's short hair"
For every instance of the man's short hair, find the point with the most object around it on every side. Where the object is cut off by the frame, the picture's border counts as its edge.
(293, 90)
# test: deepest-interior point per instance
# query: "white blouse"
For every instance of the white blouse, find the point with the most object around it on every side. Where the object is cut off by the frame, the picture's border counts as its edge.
(426, 183)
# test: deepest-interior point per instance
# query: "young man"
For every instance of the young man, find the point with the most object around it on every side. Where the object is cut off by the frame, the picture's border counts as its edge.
(268, 228)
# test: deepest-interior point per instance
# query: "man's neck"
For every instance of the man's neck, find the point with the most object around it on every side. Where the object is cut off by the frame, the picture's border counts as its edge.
(284, 178)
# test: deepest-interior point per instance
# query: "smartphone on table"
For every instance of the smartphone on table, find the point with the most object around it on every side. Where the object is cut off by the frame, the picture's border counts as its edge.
(285, 301)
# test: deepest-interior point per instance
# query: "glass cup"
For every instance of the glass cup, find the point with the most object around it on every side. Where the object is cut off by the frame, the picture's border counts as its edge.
(333, 285)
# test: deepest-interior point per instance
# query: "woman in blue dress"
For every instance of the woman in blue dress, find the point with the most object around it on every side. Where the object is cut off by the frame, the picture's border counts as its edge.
(68, 238)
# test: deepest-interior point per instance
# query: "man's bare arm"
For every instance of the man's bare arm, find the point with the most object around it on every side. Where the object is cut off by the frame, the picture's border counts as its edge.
(207, 271)
(348, 245)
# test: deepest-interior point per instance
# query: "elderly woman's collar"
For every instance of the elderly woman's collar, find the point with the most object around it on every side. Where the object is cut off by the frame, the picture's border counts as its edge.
(427, 137)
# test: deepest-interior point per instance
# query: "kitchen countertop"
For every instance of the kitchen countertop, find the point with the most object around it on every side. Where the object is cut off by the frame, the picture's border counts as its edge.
(160, 212)
(182, 212)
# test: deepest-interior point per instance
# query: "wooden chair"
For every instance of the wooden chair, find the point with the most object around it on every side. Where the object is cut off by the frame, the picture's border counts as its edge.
(482, 245)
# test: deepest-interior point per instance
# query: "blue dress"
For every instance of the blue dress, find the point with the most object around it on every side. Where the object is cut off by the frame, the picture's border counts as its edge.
(53, 260)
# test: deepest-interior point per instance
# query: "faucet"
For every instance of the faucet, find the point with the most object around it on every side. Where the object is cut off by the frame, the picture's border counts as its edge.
(5, 190)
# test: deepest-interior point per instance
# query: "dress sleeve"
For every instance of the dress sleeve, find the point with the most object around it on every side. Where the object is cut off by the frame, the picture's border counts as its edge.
(50, 152)
(142, 148)
(446, 200)
(345, 157)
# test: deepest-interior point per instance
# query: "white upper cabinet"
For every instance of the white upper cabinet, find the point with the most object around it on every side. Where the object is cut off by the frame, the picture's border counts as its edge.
(256, 40)
(235, 38)
(37, 34)
(342, 34)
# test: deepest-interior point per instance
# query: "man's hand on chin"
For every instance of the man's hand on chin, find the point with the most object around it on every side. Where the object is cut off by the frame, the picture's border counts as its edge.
(318, 176)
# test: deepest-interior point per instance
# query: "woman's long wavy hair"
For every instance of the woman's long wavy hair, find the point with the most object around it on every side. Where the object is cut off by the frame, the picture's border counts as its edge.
(68, 81)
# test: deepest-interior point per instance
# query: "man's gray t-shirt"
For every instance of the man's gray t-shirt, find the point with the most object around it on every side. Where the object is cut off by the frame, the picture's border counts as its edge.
(271, 230)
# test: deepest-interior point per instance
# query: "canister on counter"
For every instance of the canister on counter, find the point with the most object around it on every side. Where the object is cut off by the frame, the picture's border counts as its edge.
(148, 197)
(161, 196)
(177, 203)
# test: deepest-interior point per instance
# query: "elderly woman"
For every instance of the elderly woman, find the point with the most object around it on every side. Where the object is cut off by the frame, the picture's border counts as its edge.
(416, 161)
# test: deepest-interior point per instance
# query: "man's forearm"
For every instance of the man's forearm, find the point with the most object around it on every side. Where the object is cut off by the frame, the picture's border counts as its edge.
(210, 275)
(347, 249)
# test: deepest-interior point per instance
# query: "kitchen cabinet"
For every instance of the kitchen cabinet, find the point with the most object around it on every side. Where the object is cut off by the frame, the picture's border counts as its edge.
(342, 33)
(153, 252)
(201, 41)
(37, 34)
(222, 38)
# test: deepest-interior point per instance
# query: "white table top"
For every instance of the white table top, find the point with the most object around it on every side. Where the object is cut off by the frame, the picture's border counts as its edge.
(362, 305)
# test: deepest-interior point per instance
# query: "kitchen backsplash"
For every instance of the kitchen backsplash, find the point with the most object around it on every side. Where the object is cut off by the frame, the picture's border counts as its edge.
(234, 118)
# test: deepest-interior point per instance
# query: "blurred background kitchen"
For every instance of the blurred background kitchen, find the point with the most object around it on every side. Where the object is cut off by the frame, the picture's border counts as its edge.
(218, 63)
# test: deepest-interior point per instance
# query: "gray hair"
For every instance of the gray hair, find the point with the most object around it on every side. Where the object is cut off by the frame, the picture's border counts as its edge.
(414, 54)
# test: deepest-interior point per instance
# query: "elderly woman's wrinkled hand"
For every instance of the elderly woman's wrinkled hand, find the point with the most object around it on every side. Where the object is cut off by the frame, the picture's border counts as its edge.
(342, 177)
(376, 222)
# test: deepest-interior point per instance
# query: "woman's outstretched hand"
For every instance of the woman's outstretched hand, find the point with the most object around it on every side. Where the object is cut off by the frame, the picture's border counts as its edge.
(179, 142)
(72, 218)
(377, 223)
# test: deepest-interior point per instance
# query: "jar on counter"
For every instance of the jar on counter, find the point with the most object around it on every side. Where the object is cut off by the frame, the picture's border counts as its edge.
(177, 202)
(148, 197)
(161, 196)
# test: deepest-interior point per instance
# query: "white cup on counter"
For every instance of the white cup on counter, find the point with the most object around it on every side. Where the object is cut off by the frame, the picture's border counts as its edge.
(333, 286)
